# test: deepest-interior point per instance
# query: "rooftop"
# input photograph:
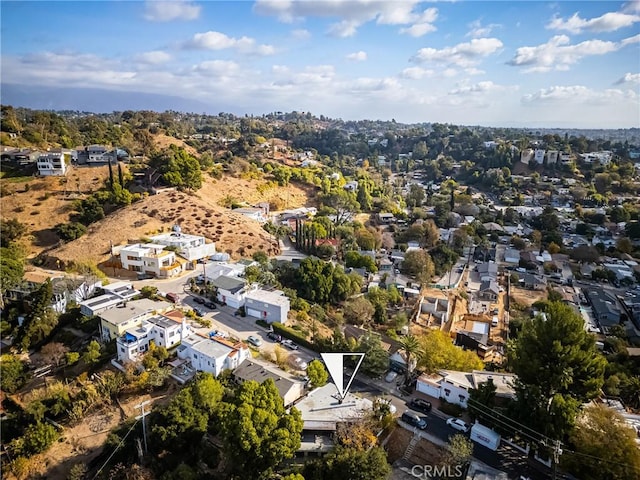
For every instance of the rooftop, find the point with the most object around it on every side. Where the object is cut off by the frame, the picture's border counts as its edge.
(272, 297)
(132, 309)
(207, 347)
(229, 284)
(259, 372)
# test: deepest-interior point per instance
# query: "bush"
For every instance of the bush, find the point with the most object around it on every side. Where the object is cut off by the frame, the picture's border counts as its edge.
(262, 323)
(291, 334)
(452, 409)
(70, 231)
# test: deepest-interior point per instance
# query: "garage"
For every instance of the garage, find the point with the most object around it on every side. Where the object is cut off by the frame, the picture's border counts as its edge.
(429, 386)
(252, 312)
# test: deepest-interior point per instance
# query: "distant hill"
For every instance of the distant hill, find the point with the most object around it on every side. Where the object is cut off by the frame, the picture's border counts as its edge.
(99, 100)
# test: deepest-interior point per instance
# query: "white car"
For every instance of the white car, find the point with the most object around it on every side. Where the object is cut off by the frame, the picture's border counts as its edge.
(289, 344)
(255, 341)
(297, 362)
(458, 424)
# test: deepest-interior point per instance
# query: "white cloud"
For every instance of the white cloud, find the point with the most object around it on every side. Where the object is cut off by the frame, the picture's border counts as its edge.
(631, 7)
(629, 78)
(630, 40)
(161, 11)
(480, 88)
(360, 56)
(609, 22)
(416, 73)
(558, 54)
(155, 57)
(301, 34)
(462, 55)
(212, 40)
(579, 94)
(311, 76)
(217, 67)
(477, 30)
(351, 14)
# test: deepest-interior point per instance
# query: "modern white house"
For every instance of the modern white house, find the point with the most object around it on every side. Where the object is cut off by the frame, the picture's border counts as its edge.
(114, 294)
(151, 258)
(454, 386)
(163, 331)
(231, 290)
(115, 321)
(213, 354)
(215, 270)
(254, 213)
(52, 163)
(190, 247)
(268, 305)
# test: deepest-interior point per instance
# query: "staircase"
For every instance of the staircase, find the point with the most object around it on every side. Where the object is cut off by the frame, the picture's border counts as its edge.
(412, 445)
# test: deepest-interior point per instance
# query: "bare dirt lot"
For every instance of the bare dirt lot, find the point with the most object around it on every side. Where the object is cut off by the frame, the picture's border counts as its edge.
(527, 297)
(425, 453)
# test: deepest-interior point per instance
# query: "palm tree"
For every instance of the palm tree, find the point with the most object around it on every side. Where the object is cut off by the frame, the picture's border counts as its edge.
(411, 347)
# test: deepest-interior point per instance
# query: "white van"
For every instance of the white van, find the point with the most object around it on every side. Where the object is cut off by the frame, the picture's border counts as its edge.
(485, 436)
(494, 321)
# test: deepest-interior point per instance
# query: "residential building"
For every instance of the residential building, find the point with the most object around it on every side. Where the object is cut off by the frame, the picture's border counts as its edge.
(512, 255)
(114, 294)
(386, 217)
(289, 388)
(352, 186)
(151, 258)
(20, 157)
(231, 290)
(254, 213)
(605, 308)
(455, 386)
(268, 305)
(212, 355)
(191, 247)
(215, 270)
(552, 157)
(533, 282)
(115, 321)
(489, 290)
(53, 163)
(476, 341)
(488, 271)
(162, 330)
(538, 156)
(526, 156)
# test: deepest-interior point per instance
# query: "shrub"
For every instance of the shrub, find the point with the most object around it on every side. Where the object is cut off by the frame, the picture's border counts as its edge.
(262, 323)
(291, 334)
(452, 409)
(70, 231)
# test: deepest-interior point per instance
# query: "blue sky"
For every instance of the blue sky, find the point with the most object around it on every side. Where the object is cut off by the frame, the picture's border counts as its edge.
(503, 63)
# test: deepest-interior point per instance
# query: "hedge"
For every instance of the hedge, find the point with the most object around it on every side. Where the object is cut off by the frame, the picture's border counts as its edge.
(293, 335)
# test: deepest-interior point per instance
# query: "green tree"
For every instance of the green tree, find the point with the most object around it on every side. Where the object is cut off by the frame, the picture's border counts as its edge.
(11, 269)
(605, 447)
(418, 264)
(149, 291)
(70, 231)
(438, 352)
(13, 373)
(411, 347)
(558, 368)
(177, 167)
(38, 437)
(180, 425)
(358, 310)
(257, 430)
(482, 398)
(11, 230)
(90, 210)
(317, 373)
(376, 359)
(344, 463)
(92, 354)
(460, 450)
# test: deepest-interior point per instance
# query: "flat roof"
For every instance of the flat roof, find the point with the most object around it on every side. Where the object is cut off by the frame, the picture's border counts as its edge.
(230, 284)
(207, 347)
(162, 321)
(106, 299)
(132, 309)
(321, 405)
(259, 372)
(273, 297)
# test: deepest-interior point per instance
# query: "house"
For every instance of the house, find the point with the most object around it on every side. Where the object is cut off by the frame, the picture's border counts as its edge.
(528, 260)
(476, 341)
(93, 154)
(386, 217)
(512, 255)
(484, 254)
(489, 290)
(191, 247)
(538, 156)
(488, 271)
(552, 157)
(268, 305)
(215, 270)
(351, 186)
(114, 294)
(162, 330)
(213, 354)
(254, 213)
(533, 282)
(436, 307)
(53, 163)
(455, 386)
(20, 157)
(123, 290)
(289, 388)
(386, 265)
(231, 290)
(605, 308)
(116, 320)
(151, 258)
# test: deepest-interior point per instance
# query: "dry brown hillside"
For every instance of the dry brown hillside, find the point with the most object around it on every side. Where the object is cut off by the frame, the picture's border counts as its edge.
(163, 141)
(233, 233)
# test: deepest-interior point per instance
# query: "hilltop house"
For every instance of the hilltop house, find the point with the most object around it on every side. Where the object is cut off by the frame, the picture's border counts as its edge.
(191, 247)
(53, 163)
(114, 293)
(231, 290)
(213, 354)
(289, 388)
(151, 258)
(115, 321)
(454, 386)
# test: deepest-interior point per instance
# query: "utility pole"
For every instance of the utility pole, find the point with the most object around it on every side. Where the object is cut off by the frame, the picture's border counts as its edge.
(144, 423)
(557, 451)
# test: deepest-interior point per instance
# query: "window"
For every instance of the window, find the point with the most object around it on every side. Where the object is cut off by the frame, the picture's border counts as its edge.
(447, 392)
(462, 398)
(195, 355)
(161, 335)
(122, 349)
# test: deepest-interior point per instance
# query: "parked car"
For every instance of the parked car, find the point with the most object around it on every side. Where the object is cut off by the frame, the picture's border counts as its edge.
(219, 333)
(420, 405)
(414, 419)
(173, 297)
(199, 300)
(210, 304)
(289, 344)
(391, 376)
(458, 424)
(253, 340)
(144, 276)
(198, 312)
(274, 336)
(297, 362)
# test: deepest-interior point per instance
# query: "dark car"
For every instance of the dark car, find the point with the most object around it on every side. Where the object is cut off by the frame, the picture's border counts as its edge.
(274, 336)
(199, 300)
(414, 420)
(420, 405)
(198, 312)
(210, 304)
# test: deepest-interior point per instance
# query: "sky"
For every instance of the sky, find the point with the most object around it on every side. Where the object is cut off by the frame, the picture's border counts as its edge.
(502, 63)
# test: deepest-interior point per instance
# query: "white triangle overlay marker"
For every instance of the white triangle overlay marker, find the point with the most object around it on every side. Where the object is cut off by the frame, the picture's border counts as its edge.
(335, 366)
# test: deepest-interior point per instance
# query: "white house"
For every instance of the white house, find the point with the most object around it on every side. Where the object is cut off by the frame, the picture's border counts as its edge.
(115, 321)
(215, 270)
(454, 386)
(254, 213)
(270, 306)
(163, 331)
(114, 294)
(150, 258)
(52, 163)
(552, 157)
(213, 354)
(190, 247)
(538, 156)
(231, 290)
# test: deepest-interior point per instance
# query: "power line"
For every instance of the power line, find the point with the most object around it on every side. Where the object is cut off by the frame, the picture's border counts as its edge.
(600, 459)
(115, 450)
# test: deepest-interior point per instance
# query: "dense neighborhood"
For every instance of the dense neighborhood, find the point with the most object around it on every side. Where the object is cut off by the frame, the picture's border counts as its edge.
(490, 276)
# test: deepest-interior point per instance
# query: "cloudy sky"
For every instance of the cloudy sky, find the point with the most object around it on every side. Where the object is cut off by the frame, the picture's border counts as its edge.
(502, 63)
